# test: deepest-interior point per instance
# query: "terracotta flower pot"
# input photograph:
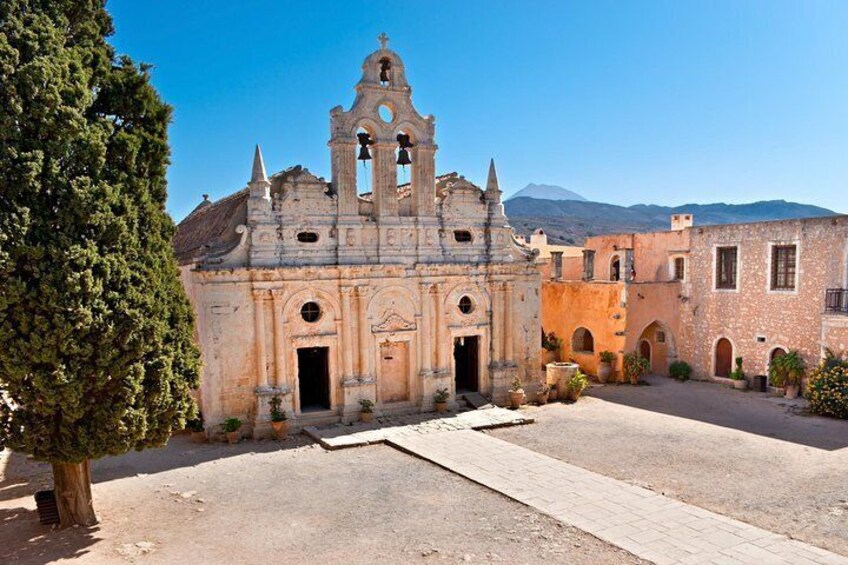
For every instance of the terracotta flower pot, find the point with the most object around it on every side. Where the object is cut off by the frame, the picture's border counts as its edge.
(574, 394)
(542, 398)
(198, 437)
(441, 407)
(791, 391)
(233, 437)
(281, 429)
(516, 398)
(366, 416)
(634, 379)
(604, 372)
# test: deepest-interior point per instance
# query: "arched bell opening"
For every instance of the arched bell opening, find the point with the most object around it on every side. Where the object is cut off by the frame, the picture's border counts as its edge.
(364, 158)
(405, 163)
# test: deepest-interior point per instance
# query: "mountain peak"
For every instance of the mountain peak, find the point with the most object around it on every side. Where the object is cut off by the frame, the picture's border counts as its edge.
(547, 192)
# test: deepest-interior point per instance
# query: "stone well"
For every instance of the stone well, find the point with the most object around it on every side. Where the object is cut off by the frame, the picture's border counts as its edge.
(560, 374)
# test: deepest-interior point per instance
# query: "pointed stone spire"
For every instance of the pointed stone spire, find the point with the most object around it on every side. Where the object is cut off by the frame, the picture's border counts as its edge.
(493, 191)
(258, 173)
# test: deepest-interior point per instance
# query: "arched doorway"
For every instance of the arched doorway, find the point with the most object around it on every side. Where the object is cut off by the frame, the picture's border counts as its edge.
(775, 353)
(723, 357)
(645, 350)
(615, 268)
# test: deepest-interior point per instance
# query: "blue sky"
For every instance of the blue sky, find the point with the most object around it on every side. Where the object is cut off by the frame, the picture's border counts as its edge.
(624, 102)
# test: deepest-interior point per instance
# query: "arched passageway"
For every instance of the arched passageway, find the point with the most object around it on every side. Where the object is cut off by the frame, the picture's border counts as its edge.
(656, 344)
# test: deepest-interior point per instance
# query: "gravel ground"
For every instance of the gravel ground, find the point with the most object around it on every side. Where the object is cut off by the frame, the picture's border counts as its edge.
(292, 502)
(749, 456)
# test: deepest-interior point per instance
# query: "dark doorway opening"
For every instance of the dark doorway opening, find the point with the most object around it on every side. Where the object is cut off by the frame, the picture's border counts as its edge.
(313, 372)
(645, 350)
(465, 356)
(723, 358)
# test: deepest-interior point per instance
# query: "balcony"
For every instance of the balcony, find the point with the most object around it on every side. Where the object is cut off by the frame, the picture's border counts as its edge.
(836, 301)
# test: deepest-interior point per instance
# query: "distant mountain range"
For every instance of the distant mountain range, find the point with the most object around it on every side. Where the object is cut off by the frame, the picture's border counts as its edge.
(570, 221)
(546, 192)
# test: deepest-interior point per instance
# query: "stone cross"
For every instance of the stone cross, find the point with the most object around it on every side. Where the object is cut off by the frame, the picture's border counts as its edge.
(383, 39)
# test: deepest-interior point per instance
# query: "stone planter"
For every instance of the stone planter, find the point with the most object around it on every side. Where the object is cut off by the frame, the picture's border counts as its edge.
(233, 437)
(198, 437)
(561, 373)
(366, 417)
(604, 372)
(740, 384)
(281, 429)
(791, 392)
(516, 398)
(441, 407)
(542, 397)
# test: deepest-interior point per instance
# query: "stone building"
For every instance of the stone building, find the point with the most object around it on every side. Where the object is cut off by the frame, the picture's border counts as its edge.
(326, 294)
(706, 294)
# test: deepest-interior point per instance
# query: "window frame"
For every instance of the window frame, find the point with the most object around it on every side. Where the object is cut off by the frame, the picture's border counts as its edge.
(770, 280)
(717, 253)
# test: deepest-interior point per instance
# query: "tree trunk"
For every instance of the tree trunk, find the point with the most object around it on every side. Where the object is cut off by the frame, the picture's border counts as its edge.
(72, 484)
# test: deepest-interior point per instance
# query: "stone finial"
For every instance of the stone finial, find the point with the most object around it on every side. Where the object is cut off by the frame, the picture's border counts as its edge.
(383, 39)
(258, 172)
(493, 190)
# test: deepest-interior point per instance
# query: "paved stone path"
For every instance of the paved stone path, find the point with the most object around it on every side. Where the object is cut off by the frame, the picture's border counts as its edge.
(649, 525)
(339, 436)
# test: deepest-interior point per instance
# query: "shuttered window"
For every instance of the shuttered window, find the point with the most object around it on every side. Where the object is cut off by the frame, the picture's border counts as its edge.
(726, 267)
(783, 264)
(679, 268)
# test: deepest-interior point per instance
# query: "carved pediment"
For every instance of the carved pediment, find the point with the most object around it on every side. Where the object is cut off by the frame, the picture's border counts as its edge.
(393, 322)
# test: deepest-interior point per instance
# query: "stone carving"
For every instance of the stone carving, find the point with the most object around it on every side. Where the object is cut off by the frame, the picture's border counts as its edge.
(393, 322)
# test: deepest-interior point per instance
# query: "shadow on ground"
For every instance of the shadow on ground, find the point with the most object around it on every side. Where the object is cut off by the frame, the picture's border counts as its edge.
(752, 412)
(41, 544)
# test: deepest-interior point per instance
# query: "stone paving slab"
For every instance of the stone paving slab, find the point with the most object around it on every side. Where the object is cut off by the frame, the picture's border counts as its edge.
(340, 436)
(647, 524)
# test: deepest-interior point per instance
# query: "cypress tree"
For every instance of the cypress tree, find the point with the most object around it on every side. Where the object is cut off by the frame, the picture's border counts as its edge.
(96, 335)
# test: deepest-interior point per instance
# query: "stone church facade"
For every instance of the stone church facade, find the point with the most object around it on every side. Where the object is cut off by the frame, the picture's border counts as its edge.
(325, 295)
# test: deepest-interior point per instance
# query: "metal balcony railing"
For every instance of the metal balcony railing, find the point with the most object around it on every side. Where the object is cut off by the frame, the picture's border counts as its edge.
(836, 301)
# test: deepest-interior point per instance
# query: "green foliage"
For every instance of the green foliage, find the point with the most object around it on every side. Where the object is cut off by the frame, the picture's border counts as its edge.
(441, 395)
(578, 382)
(737, 374)
(787, 369)
(98, 355)
(277, 413)
(680, 370)
(550, 341)
(606, 356)
(195, 424)
(231, 425)
(366, 405)
(544, 388)
(827, 390)
(635, 365)
(516, 385)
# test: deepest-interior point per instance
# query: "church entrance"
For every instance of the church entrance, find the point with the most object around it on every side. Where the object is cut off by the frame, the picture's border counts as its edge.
(313, 373)
(394, 371)
(465, 356)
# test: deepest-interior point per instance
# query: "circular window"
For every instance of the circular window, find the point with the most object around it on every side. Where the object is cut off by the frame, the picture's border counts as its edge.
(466, 305)
(385, 113)
(310, 312)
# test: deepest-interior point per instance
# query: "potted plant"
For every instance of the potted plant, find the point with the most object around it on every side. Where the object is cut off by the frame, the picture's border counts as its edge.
(366, 412)
(605, 365)
(441, 398)
(543, 393)
(578, 384)
(635, 366)
(788, 371)
(231, 428)
(516, 393)
(680, 370)
(550, 346)
(195, 426)
(279, 420)
(738, 376)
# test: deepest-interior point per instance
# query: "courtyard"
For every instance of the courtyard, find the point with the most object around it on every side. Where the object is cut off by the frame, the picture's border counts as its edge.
(746, 456)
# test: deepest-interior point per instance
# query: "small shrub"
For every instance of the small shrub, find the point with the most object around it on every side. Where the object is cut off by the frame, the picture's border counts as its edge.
(635, 366)
(738, 374)
(277, 413)
(441, 395)
(578, 382)
(680, 370)
(550, 341)
(544, 388)
(366, 405)
(196, 424)
(606, 356)
(516, 385)
(827, 390)
(232, 425)
(787, 369)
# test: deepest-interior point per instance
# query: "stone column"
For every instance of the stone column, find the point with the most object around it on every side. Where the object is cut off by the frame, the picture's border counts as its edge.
(346, 336)
(365, 353)
(509, 333)
(497, 323)
(424, 330)
(280, 370)
(424, 180)
(440, 327)
(259, 336)
(385, 179)
(344, 175)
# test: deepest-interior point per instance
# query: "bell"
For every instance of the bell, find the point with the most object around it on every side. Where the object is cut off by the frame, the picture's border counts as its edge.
(403, 141)
(403, 157)
(385, 65)
(364, 154)
(364, 141)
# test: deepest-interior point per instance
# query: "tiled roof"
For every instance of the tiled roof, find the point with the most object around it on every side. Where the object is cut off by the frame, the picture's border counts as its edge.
(211, 228)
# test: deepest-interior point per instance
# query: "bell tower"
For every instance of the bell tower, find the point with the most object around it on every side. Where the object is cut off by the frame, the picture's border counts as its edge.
(383, 130)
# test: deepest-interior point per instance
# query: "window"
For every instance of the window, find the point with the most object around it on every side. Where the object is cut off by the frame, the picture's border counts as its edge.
(679, 268)
(660, 337)
(726, 268)
(783, 260)
(582, 341)
(307, 237)
(615, 268)
(466, 305)
(310, 312)
(462, 236)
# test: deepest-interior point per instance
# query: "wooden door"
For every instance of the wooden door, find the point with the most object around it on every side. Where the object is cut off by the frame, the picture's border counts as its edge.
(645, 351)
(723, 358)
(394, 371)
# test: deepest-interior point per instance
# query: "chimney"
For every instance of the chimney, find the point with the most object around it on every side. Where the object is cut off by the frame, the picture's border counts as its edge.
(680, 222)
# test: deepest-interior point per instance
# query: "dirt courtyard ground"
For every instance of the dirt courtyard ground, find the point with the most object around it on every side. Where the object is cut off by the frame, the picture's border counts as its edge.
(258, 503)
(745, 455)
